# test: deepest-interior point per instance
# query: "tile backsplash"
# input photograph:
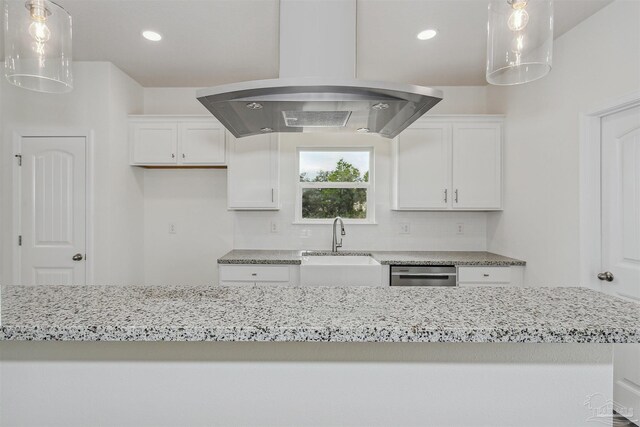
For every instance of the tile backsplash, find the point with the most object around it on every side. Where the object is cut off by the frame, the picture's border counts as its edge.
(427, 231)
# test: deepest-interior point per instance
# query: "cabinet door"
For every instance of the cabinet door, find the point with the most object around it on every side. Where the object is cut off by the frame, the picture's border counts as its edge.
(477, 166)
(422, 159)
(252, 172)
(201, 143)
(488, 275)
(153, 143)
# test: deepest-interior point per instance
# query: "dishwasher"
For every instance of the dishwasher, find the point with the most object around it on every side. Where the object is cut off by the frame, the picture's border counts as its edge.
(433, 275)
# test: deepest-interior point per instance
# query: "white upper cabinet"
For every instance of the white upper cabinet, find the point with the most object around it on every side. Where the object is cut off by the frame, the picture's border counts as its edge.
(176, 141)
(477, 166)
(153, 142)
(201, 143)
(252, 174)
(449, 163)
(422, 168)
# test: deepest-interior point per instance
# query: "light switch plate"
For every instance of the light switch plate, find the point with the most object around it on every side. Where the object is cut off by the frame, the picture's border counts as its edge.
(305, 233)
(405, 228)
(172, 228)
(460, 228)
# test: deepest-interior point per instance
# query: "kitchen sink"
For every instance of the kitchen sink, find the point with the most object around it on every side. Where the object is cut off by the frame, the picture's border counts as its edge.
(340, 270)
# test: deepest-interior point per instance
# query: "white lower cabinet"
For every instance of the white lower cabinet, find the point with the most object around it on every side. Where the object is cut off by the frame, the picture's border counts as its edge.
(289, 275)
(258, 274)
(474, 276)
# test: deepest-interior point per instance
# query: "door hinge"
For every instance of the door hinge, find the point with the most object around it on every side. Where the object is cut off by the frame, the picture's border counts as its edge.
(19, 157)
(19, 240)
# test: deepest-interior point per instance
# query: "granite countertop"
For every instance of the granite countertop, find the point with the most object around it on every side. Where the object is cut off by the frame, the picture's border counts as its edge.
(324, 314)
(244, 256)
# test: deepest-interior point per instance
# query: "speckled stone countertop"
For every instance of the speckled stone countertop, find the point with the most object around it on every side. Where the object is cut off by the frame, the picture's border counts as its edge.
(242, 256)
(325, 314)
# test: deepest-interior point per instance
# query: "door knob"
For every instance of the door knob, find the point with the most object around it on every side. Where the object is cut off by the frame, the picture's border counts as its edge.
(77, 257)
(607, 275)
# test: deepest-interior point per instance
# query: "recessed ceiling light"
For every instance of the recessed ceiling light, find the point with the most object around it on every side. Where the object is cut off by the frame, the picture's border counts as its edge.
(151, 35)
(427, 34)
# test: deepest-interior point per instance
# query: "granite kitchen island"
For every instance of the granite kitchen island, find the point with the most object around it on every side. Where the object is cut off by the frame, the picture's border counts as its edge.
(308, 356)
(294, 257)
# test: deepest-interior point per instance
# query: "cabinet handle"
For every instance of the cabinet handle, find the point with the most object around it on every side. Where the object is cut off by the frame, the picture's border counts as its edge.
(445, 195)
(173, 156)
(456, 194)
(485, 275)
(184, 156)
(254, 274)
(272, 196)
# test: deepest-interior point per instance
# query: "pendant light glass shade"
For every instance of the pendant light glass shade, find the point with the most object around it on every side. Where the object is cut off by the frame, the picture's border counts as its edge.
(37, 46)
(519, 41)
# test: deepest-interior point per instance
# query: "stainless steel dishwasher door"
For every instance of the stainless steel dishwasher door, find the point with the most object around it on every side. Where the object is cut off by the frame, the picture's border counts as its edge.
(440, 275)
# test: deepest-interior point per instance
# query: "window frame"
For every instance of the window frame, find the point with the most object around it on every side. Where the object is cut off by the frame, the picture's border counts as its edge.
(369, 186)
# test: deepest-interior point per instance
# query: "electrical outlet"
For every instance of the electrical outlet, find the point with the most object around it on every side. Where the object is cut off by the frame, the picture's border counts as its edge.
(172, 228)
(460, 228)
(274, 227)
(405, 228)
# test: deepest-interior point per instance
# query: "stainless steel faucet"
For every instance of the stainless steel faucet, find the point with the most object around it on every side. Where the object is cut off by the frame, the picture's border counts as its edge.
(335, 244)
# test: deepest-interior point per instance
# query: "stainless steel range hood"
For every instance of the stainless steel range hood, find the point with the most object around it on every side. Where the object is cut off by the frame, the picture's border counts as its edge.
(317, 91)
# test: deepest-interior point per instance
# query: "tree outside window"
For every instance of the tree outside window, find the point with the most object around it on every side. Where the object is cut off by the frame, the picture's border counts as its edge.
(334, 182)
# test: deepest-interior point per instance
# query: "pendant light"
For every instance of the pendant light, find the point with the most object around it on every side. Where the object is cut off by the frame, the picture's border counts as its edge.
(519, 41)
(37, 36)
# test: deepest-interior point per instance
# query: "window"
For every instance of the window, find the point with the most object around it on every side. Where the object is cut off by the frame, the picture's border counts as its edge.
(335, 182)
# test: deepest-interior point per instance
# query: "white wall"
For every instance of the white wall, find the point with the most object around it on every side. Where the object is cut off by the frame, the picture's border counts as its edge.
(429, 230)
(598, 60)
(125, 208)
(196, 202)
(99, 103)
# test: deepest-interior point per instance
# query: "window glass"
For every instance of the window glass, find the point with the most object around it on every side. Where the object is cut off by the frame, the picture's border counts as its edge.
(319, 203)
(335, 183)
(334, 166)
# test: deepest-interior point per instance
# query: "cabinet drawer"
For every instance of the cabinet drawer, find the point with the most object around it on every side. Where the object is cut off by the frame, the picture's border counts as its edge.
(254, 273)
(484, 274)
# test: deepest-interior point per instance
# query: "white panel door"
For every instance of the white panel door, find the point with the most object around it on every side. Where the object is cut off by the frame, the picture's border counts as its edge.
(621, 202)
(154, 143)
(477, 166)
(423, 167)
(52, 211)
(201, 143)
(253, 172)
(621, 236)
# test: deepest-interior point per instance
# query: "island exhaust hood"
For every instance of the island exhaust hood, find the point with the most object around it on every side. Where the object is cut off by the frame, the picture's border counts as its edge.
(317, 90)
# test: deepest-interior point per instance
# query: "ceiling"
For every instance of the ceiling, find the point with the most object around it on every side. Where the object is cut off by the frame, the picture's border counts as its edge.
(210, 42)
